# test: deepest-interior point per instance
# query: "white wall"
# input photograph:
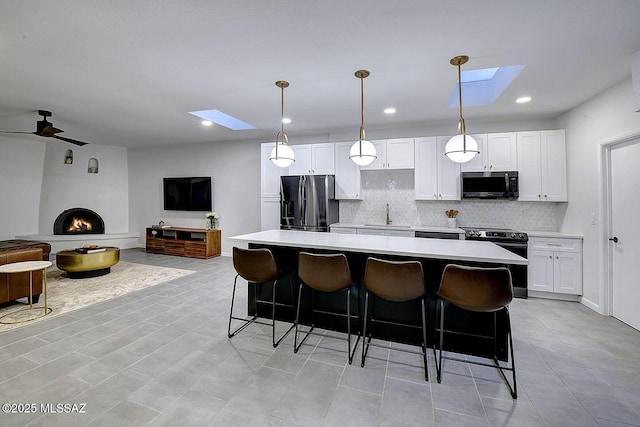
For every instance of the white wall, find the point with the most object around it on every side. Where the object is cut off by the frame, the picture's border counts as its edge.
(21, 163)
(66, 186)
(235, 171)
(601, 118)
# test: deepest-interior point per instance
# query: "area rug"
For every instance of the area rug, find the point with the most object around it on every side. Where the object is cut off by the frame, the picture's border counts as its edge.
(65, 295)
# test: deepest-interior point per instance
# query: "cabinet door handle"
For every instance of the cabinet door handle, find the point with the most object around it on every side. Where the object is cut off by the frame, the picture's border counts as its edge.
(554, 244)
(557, 257)
(614, 239)
(550, 257)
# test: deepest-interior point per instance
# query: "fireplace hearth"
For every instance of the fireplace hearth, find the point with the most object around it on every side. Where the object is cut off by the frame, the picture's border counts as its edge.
(78, 221)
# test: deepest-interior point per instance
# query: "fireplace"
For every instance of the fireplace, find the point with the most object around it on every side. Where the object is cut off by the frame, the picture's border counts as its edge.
(78, 221)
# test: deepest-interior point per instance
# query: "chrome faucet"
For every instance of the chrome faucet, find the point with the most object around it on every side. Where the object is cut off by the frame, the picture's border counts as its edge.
(388, 217)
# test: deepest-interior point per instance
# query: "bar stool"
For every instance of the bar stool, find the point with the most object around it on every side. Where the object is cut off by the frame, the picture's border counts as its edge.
(476, 289)
(325, 273)
(258, 266)
(396, 281)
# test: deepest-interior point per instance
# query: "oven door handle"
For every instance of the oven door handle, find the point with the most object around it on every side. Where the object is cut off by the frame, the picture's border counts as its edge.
(511, 245)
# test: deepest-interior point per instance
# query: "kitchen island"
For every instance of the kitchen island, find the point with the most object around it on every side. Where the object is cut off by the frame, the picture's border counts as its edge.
(434, 254)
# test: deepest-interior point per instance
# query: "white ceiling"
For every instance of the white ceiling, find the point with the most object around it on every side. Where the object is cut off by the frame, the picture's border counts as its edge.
(127, 72)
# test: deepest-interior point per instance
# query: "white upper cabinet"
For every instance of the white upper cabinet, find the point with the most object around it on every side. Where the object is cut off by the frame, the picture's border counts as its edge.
(270, 173)
(347, 173)
(313, 159)
(436, 177)
(478, 163)
(542, 166)
(393, 154)
(498, 152)
(554, 164)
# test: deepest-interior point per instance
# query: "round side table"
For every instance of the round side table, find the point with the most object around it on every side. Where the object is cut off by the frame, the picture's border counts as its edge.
(30, 267)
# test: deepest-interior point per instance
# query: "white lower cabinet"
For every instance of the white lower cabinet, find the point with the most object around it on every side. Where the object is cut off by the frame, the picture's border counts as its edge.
(555, 265)
(343, 230)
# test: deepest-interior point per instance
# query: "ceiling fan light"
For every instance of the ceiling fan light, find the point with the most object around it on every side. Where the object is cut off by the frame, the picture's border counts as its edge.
(362, 153)
(457, 151)
(282, 155)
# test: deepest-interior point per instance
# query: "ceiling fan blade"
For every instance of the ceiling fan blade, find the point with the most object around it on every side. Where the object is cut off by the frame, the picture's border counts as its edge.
(73, 141)
(10, 131)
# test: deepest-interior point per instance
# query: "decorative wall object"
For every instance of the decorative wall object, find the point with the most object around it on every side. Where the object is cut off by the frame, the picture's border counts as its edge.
(68, 157)
(93, 166)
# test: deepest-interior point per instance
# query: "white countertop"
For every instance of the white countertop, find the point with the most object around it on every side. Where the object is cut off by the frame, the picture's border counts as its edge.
(432, 228)
(453, 250)
(558, 234)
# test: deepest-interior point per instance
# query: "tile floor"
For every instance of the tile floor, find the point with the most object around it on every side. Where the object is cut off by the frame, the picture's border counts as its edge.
(161, 357)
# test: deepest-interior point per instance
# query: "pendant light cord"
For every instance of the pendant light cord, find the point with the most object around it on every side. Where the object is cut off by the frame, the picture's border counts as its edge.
(362, 136)
(462, 127)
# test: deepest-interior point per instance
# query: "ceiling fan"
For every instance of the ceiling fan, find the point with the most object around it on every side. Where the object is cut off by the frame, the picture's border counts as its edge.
(45, 128)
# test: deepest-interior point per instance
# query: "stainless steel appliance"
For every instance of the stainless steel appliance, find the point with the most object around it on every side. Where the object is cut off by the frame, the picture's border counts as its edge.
(437, 235)
(490, 185)
(307, 202)
(513, 241)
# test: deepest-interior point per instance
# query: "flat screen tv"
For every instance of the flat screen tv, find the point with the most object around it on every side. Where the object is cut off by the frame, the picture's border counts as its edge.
(187, 194)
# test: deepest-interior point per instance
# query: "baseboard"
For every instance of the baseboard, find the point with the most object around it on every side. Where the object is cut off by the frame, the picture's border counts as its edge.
(60, 242)
(590, 304)
(553, 295)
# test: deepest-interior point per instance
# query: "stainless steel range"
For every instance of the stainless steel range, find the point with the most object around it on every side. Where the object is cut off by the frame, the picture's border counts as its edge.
(513, 241)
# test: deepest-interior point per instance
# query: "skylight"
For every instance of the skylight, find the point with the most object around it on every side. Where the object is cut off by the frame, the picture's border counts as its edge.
(222, 119)
(484, 86)
(478, 75)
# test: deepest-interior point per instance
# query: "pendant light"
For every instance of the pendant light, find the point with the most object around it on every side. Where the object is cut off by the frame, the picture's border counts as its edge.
(282, 155)
(362, 151)
(462, 147)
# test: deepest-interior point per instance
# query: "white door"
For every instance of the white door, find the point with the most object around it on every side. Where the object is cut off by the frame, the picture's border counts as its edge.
(625, 205)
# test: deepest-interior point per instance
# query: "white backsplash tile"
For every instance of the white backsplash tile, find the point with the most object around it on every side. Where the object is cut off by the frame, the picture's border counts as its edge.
(396, 187)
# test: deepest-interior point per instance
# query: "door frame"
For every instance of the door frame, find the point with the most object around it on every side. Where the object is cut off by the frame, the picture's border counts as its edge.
(606, 225)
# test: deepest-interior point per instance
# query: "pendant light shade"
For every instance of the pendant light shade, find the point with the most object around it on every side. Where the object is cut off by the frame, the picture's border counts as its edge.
(282, 155)
(362, 151)
(462, 147)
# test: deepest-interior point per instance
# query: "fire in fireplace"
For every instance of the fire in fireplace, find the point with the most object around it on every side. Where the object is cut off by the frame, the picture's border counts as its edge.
(78, 221)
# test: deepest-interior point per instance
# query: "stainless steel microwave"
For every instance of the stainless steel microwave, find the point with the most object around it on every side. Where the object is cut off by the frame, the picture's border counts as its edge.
(490, 185)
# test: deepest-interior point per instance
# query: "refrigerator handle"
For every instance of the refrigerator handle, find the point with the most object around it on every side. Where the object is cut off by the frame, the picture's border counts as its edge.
(301, 199)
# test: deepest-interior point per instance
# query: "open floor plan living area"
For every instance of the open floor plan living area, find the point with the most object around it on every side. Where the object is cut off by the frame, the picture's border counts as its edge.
(161, 356)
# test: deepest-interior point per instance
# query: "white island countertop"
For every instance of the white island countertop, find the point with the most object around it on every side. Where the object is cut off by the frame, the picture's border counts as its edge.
(452, 250)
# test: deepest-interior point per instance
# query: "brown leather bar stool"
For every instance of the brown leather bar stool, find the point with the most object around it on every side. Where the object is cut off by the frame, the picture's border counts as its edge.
(325, 273)
(487, 290)
(258, 266)
(396, 281)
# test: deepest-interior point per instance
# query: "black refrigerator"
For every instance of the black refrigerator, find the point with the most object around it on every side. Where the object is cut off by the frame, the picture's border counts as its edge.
(307, 202)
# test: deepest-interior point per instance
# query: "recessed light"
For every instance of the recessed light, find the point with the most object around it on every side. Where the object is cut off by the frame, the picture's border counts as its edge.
(207, 123)
(389, 110)
(523, 99)
(286, 120)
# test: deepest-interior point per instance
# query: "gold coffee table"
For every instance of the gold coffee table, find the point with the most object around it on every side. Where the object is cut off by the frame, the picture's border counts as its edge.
(80, 265)
(22, 267)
